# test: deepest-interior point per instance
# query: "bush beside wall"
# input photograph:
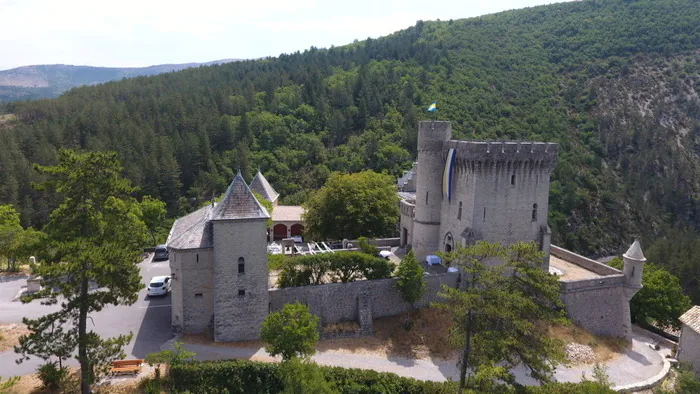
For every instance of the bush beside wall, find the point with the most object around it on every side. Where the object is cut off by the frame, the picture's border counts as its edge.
(315, 269)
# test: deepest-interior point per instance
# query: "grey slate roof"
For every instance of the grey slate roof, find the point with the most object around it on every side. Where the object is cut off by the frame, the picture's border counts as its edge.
(191, 231)
(239, 203)
(261, 186)
(692, 318)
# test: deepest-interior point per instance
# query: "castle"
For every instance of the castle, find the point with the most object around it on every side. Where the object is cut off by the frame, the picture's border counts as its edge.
(463, 191)
(457, 193)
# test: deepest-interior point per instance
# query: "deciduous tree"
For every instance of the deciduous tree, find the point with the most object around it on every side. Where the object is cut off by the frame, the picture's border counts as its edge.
(411, 279)
(661, 300)
(94, 236)
(154, 216)
(291, 332)
(351, 205)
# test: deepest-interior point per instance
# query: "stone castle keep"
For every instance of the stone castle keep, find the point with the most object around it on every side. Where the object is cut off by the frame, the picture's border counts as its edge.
(466, 191)
(457, 193)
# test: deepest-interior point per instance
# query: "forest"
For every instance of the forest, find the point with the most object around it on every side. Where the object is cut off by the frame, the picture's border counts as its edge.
(615, 83)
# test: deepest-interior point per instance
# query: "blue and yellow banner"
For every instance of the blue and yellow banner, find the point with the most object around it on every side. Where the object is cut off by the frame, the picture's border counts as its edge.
(447, 175)
(433, 107)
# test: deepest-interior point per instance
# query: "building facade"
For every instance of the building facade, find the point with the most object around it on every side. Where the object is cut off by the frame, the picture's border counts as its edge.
(689, 342)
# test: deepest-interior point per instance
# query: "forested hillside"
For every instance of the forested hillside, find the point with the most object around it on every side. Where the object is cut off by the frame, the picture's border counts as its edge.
(614, 82)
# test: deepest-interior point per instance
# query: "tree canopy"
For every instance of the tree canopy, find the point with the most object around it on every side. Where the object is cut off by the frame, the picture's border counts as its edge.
(352, 205)
(291, 332)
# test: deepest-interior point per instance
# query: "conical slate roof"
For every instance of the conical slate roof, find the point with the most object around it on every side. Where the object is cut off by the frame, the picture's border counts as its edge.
(261, 186)
(239, 203)
(635, 252)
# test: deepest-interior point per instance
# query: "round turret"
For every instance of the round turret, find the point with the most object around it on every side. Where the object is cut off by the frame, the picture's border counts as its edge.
(633, 269)
(431, 135)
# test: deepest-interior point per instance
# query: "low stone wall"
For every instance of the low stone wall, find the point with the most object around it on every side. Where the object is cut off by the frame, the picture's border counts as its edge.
(585, 262)
(338, 302)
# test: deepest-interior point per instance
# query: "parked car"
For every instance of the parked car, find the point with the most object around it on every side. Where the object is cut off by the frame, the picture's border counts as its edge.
(160, 285)
(161, 253)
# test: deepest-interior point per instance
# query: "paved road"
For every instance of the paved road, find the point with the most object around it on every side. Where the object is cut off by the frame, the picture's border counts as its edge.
(148, 319)
(638, 364)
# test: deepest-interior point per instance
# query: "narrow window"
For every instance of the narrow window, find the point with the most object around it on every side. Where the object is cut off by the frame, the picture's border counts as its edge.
(512, 180)
(197, 295)
(632, 272)
(534, 212)
(198, 257)
(241, 265)
(484, 213)
(459, 213)
(241, 293)
(426, 198)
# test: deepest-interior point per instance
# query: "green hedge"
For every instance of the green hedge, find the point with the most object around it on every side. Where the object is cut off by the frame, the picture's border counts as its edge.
(340, 266)
(243, 376)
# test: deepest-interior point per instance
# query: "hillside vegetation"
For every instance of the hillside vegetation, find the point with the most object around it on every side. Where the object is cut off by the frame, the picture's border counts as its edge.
(614, 82)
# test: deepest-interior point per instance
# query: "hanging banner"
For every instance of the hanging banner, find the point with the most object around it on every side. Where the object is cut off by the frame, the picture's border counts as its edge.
(447, 175)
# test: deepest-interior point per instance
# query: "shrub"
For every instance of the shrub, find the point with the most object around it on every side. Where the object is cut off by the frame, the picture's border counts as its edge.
(301, 377)
(341, 267)
(276, 261)
(51, 376)
(367, 247)
(243, 376)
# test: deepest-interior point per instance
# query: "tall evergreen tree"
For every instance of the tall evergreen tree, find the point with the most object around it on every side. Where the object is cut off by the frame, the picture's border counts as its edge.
(94, 238)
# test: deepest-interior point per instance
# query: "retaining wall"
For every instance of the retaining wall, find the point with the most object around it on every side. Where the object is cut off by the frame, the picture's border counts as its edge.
(337, 302)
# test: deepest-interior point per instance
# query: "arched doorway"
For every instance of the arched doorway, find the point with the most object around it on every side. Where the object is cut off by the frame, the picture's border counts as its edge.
(449, 243)
(279, 231)
(297, 230)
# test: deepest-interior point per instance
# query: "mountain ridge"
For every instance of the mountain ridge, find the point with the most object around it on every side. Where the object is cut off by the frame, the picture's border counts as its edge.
(51, 80)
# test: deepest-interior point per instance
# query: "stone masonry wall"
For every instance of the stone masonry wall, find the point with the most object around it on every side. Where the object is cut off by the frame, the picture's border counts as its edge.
(238, 317)
(598, 305)
(192, 290)
(337, 302)
(585, 262)
(689, 348)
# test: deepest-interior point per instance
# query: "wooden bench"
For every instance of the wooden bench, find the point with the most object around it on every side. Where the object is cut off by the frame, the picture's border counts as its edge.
(126, 366)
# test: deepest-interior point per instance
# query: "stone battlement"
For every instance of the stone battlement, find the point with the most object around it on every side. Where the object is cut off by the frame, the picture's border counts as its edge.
(505, 151)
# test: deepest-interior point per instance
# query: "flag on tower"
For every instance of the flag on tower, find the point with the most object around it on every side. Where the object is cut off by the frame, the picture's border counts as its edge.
(433, 107)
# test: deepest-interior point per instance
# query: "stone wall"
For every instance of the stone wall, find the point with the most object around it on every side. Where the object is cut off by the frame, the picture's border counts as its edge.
(337, 302)
(689, 348)
(598, 305)
(192, 291)
(241, 299)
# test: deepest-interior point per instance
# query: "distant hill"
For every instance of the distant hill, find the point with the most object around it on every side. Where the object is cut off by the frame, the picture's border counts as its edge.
(50, 80)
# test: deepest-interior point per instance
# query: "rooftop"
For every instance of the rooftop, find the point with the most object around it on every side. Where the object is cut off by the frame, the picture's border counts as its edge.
(190, 231)
(287, 213)
(239, 203)
(692, 318)
(260, 185)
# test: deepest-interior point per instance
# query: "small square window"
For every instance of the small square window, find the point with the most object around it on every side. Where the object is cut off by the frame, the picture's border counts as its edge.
(241, 293)
(197, 295)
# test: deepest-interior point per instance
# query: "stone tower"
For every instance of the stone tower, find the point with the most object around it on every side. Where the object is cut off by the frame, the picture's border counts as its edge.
(426, 225)
(633, 269)
(241, 301)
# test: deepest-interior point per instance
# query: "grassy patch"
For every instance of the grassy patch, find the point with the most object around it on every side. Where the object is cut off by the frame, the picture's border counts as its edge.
(605, 348)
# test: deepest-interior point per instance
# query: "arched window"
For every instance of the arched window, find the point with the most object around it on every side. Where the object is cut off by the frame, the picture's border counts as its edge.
(449, 243)
(241, 265)
(534, 212)
(459, 212)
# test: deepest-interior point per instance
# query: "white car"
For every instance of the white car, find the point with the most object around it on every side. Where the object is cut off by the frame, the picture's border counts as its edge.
(160, 285)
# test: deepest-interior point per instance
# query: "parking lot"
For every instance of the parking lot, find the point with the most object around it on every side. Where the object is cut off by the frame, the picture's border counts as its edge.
(148, 319)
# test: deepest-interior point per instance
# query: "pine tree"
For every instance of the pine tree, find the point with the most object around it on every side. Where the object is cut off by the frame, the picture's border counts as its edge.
(94, 238)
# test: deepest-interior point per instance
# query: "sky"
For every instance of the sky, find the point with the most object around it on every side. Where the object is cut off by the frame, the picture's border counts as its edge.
(136, 33)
